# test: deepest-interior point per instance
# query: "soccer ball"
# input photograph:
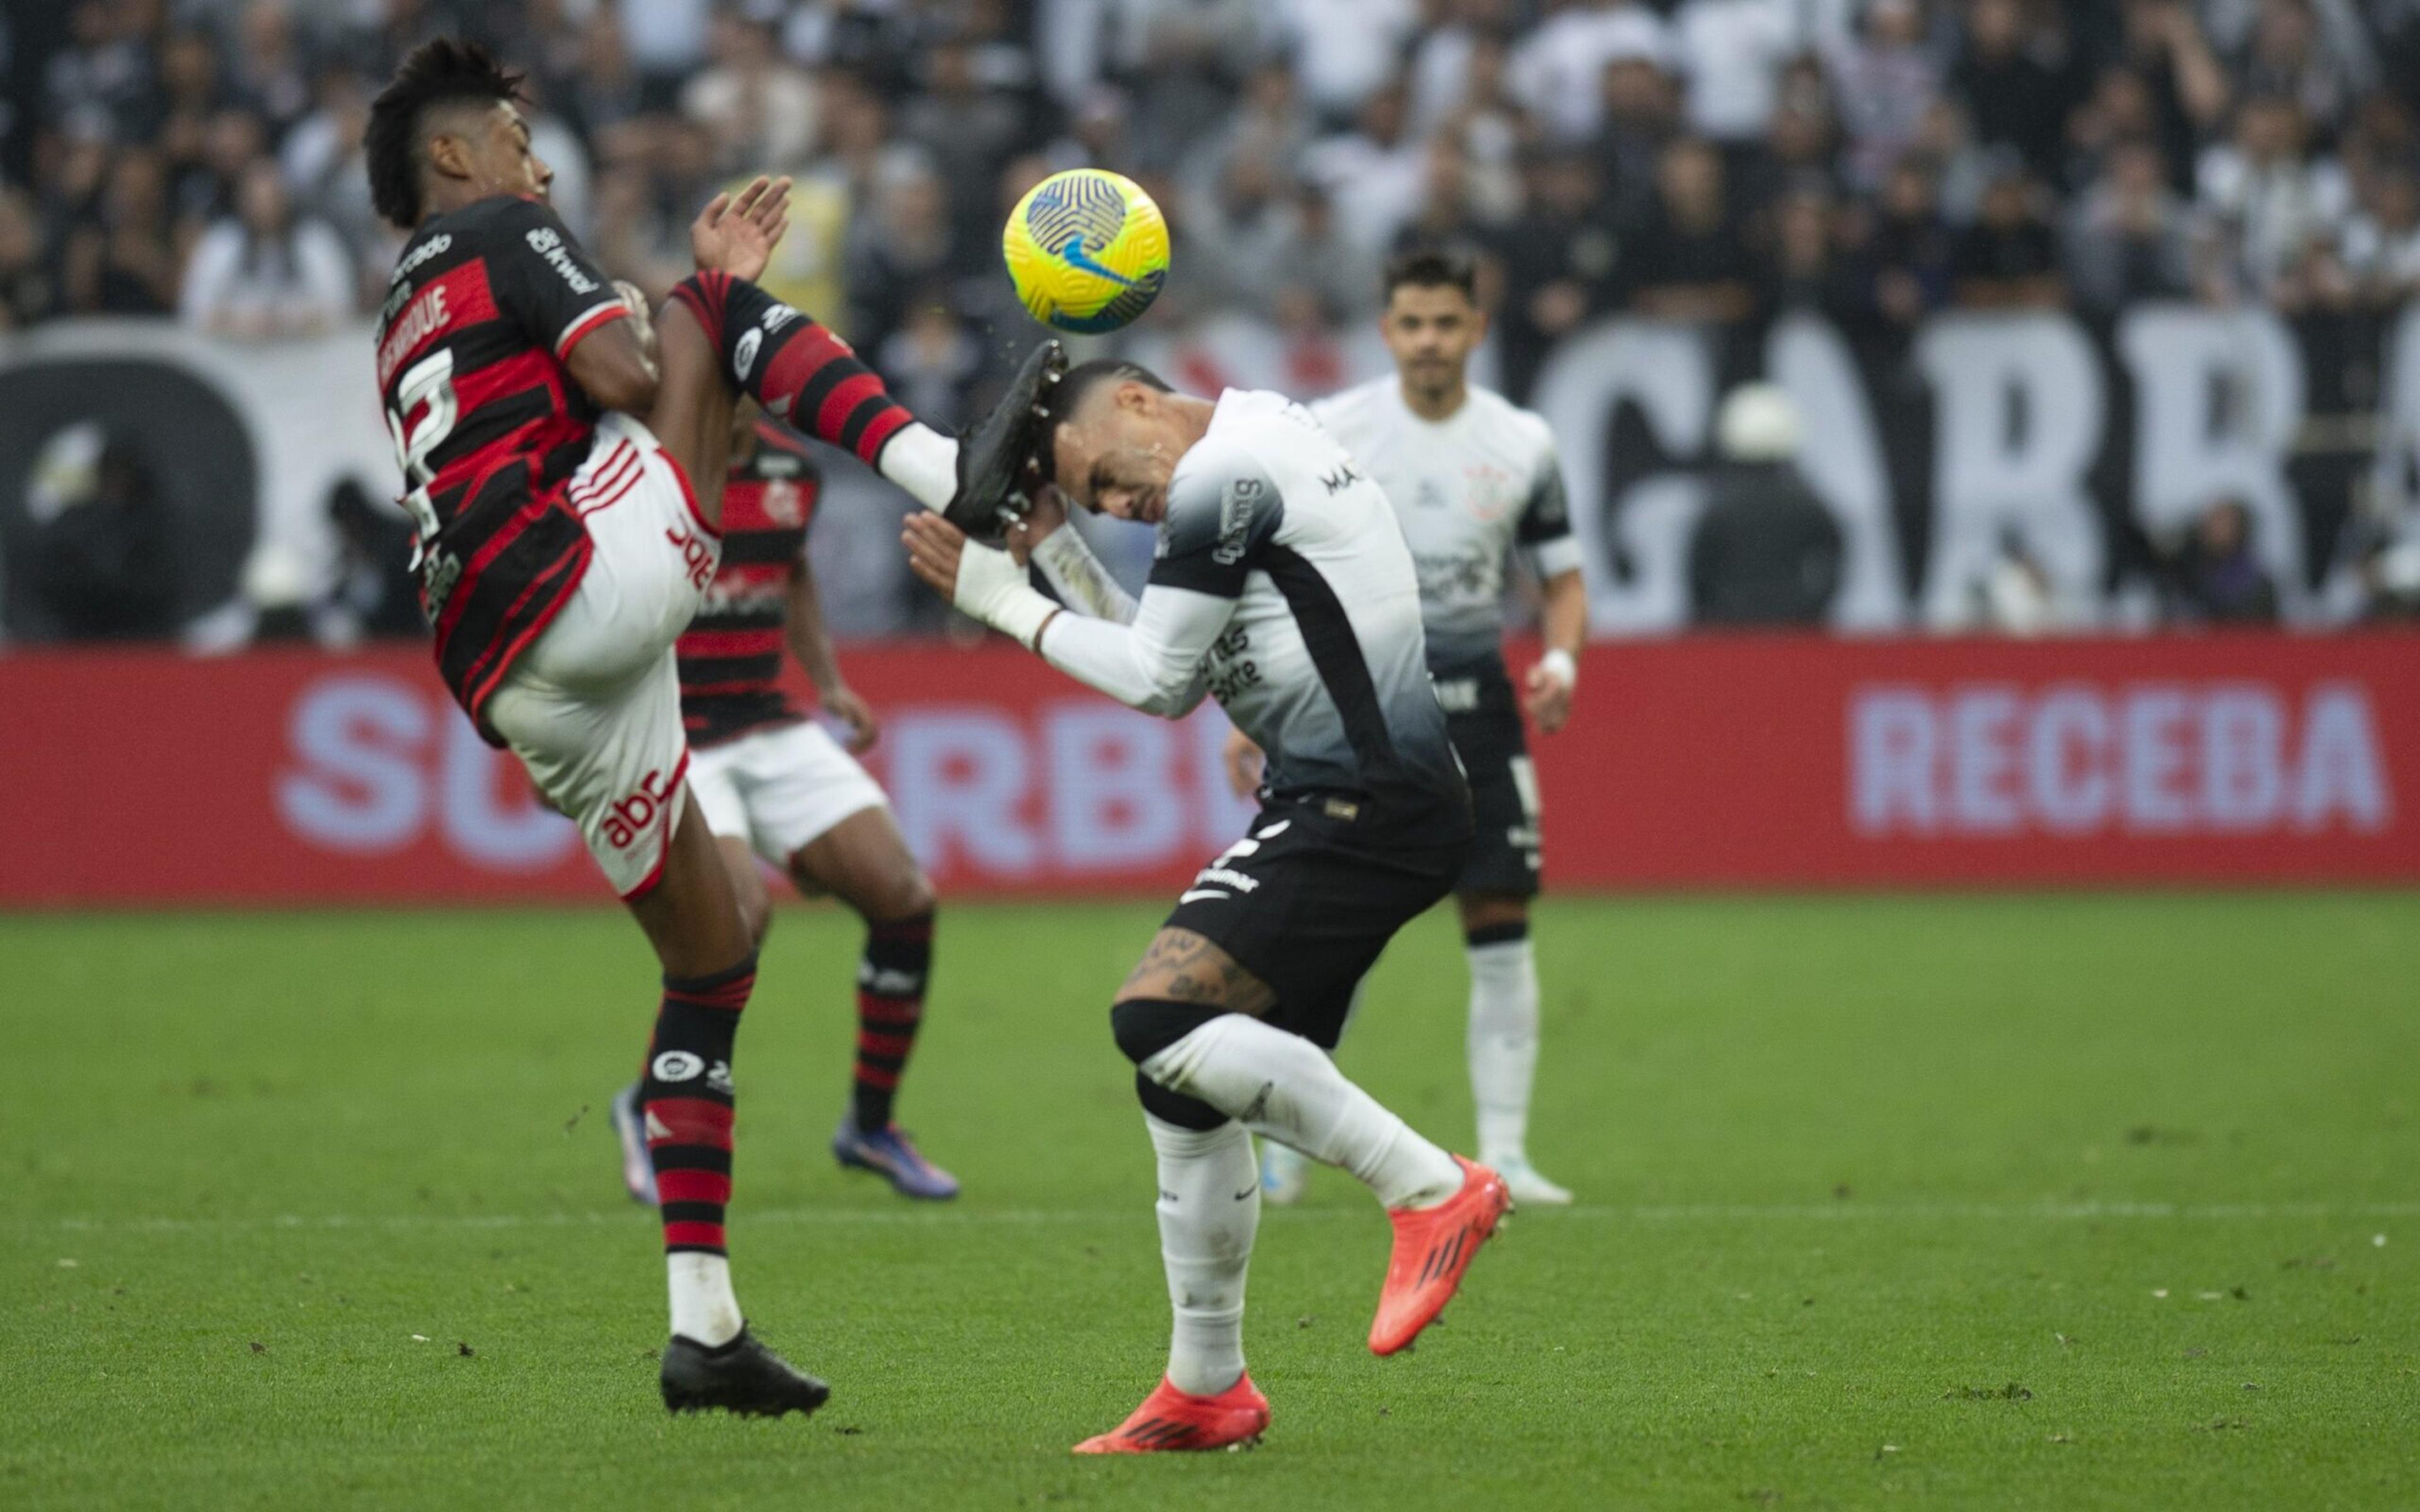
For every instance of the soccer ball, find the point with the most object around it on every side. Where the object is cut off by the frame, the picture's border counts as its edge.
(1087, 251)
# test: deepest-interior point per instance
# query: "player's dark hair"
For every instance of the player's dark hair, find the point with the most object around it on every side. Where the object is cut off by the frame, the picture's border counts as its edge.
(441, 72)
(1061, 404)
(1431, 267)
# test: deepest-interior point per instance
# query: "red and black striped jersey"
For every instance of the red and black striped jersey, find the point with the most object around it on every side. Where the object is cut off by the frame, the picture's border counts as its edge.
(486, 305)
(731, 655)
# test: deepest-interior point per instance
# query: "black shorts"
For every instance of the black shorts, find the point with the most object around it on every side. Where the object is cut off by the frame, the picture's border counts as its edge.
(1308, 900)
(1485, 724)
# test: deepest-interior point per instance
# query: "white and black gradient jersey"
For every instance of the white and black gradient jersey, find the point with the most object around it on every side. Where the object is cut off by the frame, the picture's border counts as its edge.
(1468, 490)
(1282, 586)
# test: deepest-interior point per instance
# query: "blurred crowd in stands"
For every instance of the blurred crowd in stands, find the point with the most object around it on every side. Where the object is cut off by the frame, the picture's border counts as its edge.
(1711, 160)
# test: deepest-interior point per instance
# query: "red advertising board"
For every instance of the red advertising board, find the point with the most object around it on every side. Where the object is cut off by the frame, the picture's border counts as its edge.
(142, 776)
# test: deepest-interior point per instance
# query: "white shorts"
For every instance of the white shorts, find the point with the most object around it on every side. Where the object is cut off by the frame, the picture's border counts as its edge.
(779, 788)
(593, 707)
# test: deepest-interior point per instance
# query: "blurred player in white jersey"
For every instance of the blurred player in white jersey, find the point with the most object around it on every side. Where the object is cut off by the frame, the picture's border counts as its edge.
(1471, 477)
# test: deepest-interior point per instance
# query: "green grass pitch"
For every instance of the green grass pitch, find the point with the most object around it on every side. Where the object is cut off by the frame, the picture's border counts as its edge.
(2054, 1202)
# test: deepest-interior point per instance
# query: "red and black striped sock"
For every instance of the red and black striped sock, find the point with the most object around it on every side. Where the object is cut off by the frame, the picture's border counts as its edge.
(799, 369)
(688, 1094)
(889, 1008)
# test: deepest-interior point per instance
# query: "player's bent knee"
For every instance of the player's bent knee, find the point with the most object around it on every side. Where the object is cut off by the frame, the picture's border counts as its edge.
(1144, 1026)
(903, 895)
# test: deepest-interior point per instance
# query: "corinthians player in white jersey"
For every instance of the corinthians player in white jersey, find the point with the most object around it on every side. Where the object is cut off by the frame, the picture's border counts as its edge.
(1472, 478)
(1283, 588)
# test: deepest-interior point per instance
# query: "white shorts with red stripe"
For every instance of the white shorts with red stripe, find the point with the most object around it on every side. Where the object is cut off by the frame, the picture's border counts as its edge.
(593, 707)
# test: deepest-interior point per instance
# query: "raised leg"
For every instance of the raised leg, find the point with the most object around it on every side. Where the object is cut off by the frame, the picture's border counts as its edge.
(694, 401)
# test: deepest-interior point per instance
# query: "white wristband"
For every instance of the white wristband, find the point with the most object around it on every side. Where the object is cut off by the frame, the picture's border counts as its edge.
(1021, 616)
(992, 588)
(1560, 662)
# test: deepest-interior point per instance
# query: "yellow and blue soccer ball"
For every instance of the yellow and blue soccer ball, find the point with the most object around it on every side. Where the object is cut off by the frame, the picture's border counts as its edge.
(1087, 251)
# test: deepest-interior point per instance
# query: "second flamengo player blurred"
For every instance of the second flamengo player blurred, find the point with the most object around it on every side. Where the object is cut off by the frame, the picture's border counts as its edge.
(771, 782)
(1471, 477)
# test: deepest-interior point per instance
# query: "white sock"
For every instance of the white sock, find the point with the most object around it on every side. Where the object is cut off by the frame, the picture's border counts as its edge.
(1209, 1210)
(1283, 1084)
(703, 1308)
(922, 461)
(1503, 1046)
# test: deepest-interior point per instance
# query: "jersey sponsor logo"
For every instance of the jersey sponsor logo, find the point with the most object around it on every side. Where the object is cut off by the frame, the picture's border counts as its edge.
(1237, 505)
(439, 570)
(397, 298)
(699, 556)
(1459, 575)
(435, 246)
(1222, 877)
(776, 317)
(743, 356)
(677, 1066)
(549, 245)
(1342, 478)
(631, 817)
(1230, 668)
(1228, 681)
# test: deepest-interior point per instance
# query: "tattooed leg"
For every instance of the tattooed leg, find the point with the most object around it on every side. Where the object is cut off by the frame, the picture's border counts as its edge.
(1182, 967)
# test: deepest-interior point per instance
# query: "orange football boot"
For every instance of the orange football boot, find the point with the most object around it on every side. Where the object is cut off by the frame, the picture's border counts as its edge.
(1434, 1246)
(1172, 1419)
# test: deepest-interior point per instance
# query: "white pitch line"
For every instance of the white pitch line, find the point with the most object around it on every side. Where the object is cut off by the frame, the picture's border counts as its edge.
(744, 1217)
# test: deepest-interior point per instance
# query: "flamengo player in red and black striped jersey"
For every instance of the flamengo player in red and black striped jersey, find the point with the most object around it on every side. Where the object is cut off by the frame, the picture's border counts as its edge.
(487, 305)
(564, 457)
(763, 600)
(774, 783)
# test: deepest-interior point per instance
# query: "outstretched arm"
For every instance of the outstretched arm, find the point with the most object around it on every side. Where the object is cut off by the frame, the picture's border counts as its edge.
(1153, 664)
(1223, 511)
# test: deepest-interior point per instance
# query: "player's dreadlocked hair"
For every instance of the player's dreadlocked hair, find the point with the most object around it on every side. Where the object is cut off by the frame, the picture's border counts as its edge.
(440, 73)
(1060, 404)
